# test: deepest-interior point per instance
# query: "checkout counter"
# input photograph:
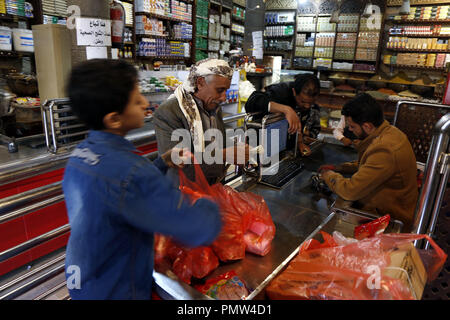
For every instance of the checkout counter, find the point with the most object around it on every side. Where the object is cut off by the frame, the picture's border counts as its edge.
(298, 211)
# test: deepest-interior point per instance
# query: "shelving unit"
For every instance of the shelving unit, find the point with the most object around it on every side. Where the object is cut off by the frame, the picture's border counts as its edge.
(280, 25)
(219, 29)
(417, 43)
(237, 22)
(157, 38)
(341, 46)
(14, 60)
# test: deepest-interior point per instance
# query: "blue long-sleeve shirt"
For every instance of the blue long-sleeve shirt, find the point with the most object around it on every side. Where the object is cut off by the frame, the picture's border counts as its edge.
(116, 200)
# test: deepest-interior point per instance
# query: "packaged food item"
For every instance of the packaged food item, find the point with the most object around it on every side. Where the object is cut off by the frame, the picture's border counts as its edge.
(227, 286)
(372, 228)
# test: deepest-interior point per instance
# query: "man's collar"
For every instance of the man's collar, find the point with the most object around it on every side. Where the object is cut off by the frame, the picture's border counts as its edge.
(368, 140)
(201, 107)
(111, 138)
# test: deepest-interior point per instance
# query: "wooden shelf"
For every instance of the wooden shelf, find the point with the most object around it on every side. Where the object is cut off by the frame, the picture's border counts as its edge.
(420, 36)
(279, 37)
(162, 37)
(340, 59)
(415, 67)
(280, 24)
(417, 21)
(360, 71)
(418, 50)
(238, 5)
(162, 58)
(5, 16)
(14, 54)
(414, 4)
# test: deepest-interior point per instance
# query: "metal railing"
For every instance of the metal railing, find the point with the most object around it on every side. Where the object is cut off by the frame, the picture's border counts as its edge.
(427, 126)
(62, 129)
(435, 180)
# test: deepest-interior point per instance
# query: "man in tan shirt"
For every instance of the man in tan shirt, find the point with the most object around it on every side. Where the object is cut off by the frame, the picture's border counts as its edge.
(384, 177)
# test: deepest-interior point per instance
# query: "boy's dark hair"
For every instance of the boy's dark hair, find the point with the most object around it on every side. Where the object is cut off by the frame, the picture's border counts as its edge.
(364, 108)
(98, 87)
(302, 80)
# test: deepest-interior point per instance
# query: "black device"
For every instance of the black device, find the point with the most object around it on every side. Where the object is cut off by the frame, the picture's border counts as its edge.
(319, 185)
(286, 171)
(288, 165)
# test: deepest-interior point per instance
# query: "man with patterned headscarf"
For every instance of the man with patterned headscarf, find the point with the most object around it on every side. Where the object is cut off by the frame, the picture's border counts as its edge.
(195, 106)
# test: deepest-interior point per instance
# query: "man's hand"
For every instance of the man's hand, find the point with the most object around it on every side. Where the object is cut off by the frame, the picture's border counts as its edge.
(308, 140)
(325, 174)
(326, 168)
(346, 141)
(304, 149)
(293, 120)
(238, 154)
(291, 116)
(177, 158)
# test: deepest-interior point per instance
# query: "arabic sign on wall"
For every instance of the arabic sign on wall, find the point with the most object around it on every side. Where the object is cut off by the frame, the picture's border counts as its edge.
(93, 32)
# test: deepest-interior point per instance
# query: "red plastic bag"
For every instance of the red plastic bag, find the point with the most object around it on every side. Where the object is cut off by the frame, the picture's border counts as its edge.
(312, 244)
(184, 262)
(247, 223)
(345, 272)
(372, 228)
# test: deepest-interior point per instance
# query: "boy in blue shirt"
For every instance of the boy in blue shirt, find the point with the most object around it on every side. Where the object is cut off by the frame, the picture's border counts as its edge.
(116, 200)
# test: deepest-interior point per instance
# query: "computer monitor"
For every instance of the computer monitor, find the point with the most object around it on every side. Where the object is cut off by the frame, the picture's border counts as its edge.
(273, 146)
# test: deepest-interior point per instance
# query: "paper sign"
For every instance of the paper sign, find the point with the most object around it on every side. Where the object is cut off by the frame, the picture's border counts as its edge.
(257, 39)
(96, 53)
(258, 53)
(93, 32)
(257, 44)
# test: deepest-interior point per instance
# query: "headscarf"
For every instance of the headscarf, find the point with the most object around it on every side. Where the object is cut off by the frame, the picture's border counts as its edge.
(186, 101)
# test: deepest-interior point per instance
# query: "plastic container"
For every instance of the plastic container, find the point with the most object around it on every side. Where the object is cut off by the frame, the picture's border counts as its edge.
(23, 40)
(5, 39)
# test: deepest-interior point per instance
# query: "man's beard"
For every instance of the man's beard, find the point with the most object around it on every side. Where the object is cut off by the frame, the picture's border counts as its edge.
(363, 135)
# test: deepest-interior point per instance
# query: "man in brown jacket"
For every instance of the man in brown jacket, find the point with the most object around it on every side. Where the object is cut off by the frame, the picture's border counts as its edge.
(384, 177)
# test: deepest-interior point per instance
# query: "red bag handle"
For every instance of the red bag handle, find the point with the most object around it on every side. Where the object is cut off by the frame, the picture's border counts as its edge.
(441, 255)
(200, 183)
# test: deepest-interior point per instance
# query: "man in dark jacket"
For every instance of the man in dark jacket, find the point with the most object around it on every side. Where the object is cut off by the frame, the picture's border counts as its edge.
(296, 101)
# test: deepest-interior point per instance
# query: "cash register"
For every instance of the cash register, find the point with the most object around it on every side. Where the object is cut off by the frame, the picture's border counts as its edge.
(279, 163)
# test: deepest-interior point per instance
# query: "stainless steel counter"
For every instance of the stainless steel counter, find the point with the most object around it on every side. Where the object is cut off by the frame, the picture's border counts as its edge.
(29, 160)
(298, 212)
